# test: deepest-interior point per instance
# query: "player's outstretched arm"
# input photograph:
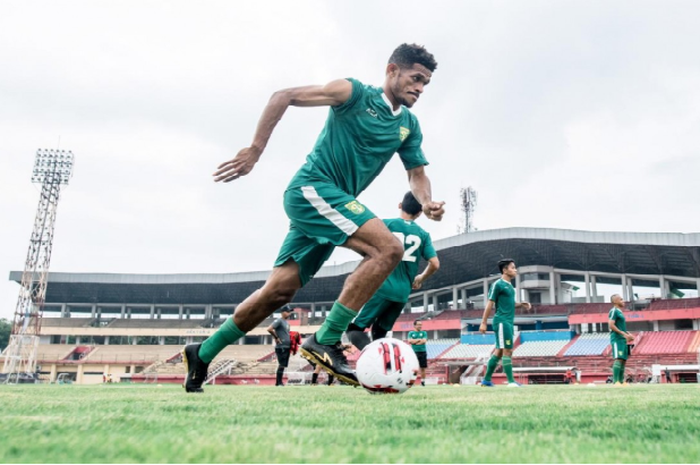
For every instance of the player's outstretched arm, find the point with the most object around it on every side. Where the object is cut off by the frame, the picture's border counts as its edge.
(420, 187)
(332, 94)
(485, 319)
(525, 305)
(431, 269)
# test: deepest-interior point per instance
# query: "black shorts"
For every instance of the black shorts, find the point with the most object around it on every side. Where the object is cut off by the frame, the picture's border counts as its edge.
(282, 355)
(422, 359)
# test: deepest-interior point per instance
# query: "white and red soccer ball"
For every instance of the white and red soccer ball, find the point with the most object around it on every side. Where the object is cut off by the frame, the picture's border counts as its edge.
(387, 366)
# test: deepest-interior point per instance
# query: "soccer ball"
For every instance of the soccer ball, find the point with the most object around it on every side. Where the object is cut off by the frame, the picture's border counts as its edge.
(387, 366)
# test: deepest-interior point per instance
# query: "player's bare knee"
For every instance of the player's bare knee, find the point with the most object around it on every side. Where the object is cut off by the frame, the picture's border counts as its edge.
(393, 253)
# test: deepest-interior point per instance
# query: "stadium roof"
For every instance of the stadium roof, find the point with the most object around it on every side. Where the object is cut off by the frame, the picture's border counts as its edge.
(464, 258)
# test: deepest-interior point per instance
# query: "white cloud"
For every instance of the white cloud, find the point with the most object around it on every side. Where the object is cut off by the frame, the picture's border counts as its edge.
(561, 114)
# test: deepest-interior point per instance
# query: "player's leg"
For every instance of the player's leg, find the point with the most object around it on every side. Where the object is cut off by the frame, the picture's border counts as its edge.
(387, 318)
(367, 317)
(381, 252)
(314, 375)
(496, 356)
(507, 360)
(327, 214)
(283, 362)
(422, 364)
(277, 291)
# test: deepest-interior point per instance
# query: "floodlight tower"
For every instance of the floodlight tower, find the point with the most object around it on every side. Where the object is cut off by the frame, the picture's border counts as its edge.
(52, 169)
(468, 199)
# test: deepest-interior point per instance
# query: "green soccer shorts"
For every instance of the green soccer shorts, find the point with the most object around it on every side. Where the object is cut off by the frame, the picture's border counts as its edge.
(619, 349)
(379, 311)
(322, 216)
(504, 334)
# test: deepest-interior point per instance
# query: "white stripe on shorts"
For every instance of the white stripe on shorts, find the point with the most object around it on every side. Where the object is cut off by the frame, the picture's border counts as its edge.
(614, 349)
(333, 215)
(500, 335)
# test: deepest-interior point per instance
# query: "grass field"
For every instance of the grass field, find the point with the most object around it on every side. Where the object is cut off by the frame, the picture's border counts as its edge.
(147, 423)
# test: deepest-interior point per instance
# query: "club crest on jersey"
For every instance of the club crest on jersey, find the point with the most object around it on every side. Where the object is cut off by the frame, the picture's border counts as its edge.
(403, 133)
(355, 207)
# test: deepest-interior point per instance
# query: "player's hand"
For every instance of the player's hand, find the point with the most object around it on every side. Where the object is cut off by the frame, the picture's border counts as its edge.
(240, 165)
(434, 210)
(417, 283)
(527, 306)
(629, 337)
(482, 328)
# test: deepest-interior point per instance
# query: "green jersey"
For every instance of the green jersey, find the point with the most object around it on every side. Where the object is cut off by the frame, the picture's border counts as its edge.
(503, 294)
(618, 317)
(418, 335)
(416, 244)
(359, 139)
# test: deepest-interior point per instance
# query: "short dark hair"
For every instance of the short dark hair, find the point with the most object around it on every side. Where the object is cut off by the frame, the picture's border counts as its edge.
(406, 55)
(410, 205)
(415, 322)
(503, 264)
(612, 298)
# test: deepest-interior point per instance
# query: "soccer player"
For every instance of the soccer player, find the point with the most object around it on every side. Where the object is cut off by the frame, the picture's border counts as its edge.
(280, 331)
(418, 339)
(366, 125)
(385, 306)
(502, 296)
(619, 338)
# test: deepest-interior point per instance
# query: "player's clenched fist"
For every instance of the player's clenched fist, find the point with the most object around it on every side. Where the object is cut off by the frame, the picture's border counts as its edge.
(434, 210)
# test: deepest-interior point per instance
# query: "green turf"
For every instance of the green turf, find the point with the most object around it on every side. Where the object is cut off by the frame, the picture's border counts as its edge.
(146, 423)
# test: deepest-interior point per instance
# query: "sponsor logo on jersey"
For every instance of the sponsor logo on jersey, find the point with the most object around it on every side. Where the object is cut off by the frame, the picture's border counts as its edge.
(403, 133)
(372, 113)
(355, 207)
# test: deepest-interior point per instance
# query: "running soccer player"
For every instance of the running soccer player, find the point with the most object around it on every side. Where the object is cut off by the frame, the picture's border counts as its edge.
(366, 125)
(385, 306)
(619, 338)
(502, 296)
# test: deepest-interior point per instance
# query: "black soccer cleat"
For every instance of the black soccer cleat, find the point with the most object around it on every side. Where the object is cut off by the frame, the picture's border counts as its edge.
(196, 369)
(331, 358)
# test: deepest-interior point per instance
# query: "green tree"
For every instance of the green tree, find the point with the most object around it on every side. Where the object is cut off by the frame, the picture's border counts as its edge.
(5, 329)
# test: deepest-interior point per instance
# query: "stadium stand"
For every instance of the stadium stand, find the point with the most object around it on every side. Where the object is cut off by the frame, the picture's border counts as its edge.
(665, 342)
(467, 351)
(131, 353)
(155, 324)
(67, 322)
(541, 344)
(589, 344)
(436, 347)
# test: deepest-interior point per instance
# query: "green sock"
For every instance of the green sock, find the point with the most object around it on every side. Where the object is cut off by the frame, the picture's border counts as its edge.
(616, 371)
(335, 325)
(508, 368)
(622, 371)
(227, 334)
(491, 367)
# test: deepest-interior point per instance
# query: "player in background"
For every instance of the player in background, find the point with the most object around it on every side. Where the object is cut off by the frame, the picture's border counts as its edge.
(279, 329)
(365, 127)
(502, 296)
(619, 338)
(385, 306)
(418, 339)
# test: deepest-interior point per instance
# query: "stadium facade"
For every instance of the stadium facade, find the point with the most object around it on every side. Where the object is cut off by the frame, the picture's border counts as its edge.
(125, 324)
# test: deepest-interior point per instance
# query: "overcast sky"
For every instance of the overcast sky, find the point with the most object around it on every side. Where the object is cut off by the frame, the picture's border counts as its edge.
(561, 114)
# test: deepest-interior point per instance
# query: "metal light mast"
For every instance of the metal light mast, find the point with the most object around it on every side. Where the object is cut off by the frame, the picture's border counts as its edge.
(468, 199)
(52, 169)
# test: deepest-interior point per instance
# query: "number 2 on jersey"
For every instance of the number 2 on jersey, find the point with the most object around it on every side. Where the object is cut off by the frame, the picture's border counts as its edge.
(411, 240)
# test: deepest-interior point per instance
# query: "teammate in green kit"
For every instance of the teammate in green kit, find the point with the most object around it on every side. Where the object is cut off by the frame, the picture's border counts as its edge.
(502, 296)
(418, 339)
(382, 310)
(619, 338)
(366, 125)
